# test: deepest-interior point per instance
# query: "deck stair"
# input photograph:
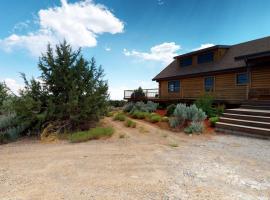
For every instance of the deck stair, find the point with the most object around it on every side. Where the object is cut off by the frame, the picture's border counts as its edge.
(251, 119)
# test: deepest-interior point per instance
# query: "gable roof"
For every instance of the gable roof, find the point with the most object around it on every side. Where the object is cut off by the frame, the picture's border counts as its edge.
(227, 62)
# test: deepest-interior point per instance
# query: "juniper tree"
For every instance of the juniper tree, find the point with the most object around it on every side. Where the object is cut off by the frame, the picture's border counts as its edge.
(70, 88)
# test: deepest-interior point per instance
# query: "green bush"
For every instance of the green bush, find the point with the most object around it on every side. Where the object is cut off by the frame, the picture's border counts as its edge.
(151, 106)
(195, 127)
(170, 110)
(110, 114)
(130, 123)
(174, 122)
(128, 107)
(9, 128)
(219, 109)
(143, 107)
(155, 118)
(138, 93)
(164, 119)
(213, 121)
(183, 113)
(119, 117)
(93, 134)
(205, 103)
(71, 89)
(179, 115)
(138, 114)
(195, 114)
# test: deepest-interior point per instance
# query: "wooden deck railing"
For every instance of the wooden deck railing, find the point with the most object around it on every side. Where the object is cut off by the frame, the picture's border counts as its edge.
(148, 94)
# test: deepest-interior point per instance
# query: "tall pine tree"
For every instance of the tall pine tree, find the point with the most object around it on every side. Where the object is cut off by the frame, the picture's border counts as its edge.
(70, 89)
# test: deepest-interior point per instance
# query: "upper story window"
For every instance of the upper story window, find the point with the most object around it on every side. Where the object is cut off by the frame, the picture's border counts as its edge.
(209, 83)
(205, 57)
(185, 62)
(174, 86)
(241, 79)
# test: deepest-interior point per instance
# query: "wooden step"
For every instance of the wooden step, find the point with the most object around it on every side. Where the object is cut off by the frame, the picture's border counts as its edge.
(257, 102)
(243, 130)
(244, 111)
(246, 117)
(245, 122)
(256, 107)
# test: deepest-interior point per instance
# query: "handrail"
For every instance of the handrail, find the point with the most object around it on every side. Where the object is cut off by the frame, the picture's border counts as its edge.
(148, 94)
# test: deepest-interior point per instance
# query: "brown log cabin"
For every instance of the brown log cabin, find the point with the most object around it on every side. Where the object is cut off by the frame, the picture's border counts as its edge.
(230, 73)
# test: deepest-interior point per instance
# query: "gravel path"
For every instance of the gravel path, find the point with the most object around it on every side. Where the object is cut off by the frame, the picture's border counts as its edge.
(143, 165)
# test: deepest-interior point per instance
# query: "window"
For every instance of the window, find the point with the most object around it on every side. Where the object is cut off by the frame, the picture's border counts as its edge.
(209, 84)
(173, 86)
(206, 57)
(242, 79)
(185, 62)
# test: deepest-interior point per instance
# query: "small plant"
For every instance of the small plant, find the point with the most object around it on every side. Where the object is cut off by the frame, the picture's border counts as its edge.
(128, 107)
(155, 118)
(179, 116)
(142, 129)
(110, 114)
(119, 117)
(121, 136)
(170, 110)
(138, 114)
(194, 127)
(164, 135)
(151, 106)
(93, 134)
(205, 103)
(130, 123)
(164, 119)
(219, 109)
(195, 114)
(173, 145)
(213, 121)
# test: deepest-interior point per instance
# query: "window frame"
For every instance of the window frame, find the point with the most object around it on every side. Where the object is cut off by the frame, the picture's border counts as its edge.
(236, 79)
(214, 80)
(210, 52)
(174, 91)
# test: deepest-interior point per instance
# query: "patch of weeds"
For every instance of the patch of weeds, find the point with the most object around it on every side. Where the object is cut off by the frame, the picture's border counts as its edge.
(93, 134)
(110, 114)
(155, 118)
(119, 117)
(122, 135)
(164, 135)
(165, 119)
(130, 123)
(173, 145)
(142, 129)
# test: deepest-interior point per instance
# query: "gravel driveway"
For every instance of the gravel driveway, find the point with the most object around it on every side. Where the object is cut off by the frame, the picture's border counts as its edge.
(143, 165)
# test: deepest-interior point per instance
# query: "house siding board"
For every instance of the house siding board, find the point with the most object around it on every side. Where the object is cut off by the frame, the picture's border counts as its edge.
(192, 87)
(225, 88)
(260, 77)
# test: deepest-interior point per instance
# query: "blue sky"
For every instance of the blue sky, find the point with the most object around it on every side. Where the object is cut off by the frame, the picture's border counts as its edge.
(132, 39)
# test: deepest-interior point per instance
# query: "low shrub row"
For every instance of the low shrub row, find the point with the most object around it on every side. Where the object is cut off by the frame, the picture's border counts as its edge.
(92, 134)
(183, 115)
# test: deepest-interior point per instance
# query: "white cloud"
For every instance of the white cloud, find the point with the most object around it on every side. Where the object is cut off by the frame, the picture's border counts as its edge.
(162, 53)
(13, 85)
(108, 49)
(203, 46)
(79, 23)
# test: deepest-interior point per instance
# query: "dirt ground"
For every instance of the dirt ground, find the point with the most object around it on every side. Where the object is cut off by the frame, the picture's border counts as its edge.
(145, 164)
